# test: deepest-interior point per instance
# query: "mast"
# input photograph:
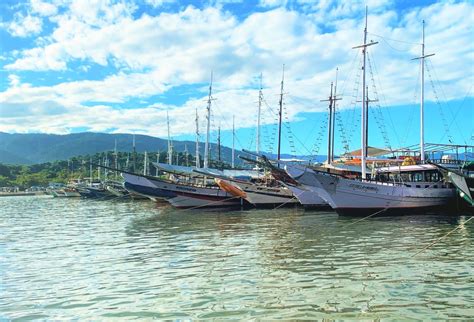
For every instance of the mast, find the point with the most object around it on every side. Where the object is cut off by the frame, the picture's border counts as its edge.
(206, 148)
(145, 164)
(260, 99)
(280, 112)
(422, 95)
(219, 143)
(198, 163)
(106, 163)
(364, 128)
(170, 145)
(233, 141)
(116, 159)
(330, 127)
(186, 154)
(331, 121)
(334, 99)
(134, 155)
(90, 171)
(157, 161)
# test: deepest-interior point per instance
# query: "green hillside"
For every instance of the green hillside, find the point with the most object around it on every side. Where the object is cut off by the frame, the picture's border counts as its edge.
(25, 149)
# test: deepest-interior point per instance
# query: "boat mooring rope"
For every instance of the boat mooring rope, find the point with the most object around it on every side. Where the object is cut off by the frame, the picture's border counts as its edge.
(207, 204)
(442, 237)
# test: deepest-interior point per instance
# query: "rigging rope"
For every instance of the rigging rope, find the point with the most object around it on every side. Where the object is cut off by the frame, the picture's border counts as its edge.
(377, 113)
(446, 99)
(438, 103)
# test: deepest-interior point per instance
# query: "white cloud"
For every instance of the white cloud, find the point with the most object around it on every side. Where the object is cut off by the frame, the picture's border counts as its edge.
(157, 3)
(14, 80)
(24, 26)
(273, 3)
(43, 8)
(151, 55)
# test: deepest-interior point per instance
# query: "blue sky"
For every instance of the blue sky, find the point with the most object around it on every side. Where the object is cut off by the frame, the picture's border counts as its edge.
(119, 66)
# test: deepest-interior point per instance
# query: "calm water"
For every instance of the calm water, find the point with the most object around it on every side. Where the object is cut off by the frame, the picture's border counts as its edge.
(68, 259)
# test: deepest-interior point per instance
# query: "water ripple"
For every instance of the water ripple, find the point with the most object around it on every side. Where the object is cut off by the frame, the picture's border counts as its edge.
(70, 259)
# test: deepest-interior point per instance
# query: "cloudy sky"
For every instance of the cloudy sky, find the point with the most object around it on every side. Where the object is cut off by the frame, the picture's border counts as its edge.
(119, 66)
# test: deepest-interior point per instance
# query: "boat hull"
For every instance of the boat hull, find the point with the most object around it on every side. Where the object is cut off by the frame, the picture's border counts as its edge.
(262, 196)
(142, 186)
(196, 196)
(363, 198)
(308, 198)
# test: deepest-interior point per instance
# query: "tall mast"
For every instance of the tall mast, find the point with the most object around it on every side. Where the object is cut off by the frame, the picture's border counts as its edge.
(364, 107)
(233, 141)
(280, 112)
(260, 99)
(170, 146)
(334, 100)
(422, 96)
(331, 121)
(198, 165)
(363, 149)
(206, 148)
(330, 127)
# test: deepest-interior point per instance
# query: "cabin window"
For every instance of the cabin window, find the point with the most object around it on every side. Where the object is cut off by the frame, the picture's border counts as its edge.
(433, 176)
(417, 176)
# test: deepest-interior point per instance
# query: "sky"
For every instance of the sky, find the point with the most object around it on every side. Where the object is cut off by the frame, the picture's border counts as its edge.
(69, 66)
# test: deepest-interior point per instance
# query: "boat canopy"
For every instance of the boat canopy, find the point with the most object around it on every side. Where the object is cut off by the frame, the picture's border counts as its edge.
(407, 168)
(189, 171)
(371, 152)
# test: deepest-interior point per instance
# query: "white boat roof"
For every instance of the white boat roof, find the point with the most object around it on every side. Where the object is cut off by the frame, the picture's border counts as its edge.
(183, 170)
(407, 168)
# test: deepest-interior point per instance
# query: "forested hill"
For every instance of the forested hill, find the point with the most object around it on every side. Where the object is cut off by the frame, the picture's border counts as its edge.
(39, 148)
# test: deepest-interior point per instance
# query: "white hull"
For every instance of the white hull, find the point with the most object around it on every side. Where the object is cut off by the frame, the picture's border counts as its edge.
(348, 196)
(65, 194)
(262, 195)
(307, 197)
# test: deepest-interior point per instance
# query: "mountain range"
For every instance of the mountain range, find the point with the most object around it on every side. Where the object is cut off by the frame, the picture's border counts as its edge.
(34, 148)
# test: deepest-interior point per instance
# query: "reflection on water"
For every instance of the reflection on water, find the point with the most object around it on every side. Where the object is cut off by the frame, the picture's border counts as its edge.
(66, 259)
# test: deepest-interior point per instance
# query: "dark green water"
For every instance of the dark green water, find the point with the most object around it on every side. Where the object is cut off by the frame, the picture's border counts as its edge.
(77, 259)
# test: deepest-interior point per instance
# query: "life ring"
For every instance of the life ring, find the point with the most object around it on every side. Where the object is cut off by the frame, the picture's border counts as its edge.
(408, 161)
(230, 188)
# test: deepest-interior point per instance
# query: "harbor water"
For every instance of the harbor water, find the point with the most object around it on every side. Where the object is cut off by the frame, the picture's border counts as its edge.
(81, 259)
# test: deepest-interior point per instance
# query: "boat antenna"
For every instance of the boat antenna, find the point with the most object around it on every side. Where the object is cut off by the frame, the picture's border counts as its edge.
(280, 112)
(206, 148)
